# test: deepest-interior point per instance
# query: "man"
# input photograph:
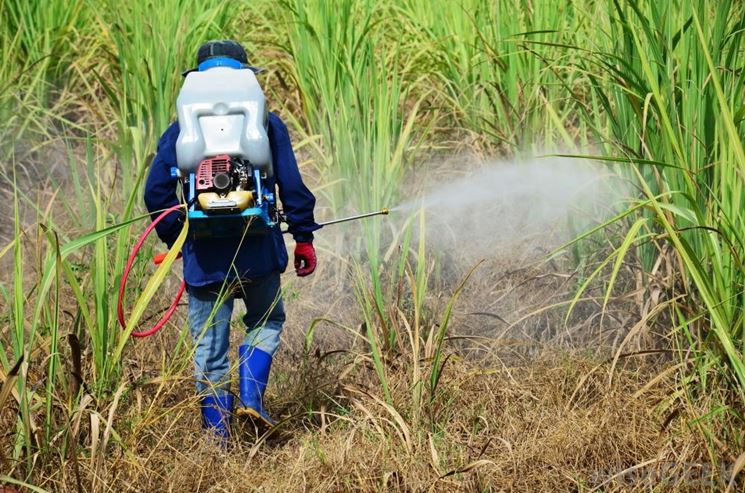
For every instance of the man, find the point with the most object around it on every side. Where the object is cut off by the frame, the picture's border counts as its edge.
(254, 263)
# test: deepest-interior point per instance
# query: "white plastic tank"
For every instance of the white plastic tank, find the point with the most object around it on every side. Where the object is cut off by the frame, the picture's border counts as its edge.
(222, 111)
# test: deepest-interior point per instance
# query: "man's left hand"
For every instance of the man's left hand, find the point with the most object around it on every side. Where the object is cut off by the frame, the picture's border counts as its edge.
(305, 258)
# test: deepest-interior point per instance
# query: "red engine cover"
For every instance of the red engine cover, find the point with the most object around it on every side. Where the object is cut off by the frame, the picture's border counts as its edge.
(209, 168)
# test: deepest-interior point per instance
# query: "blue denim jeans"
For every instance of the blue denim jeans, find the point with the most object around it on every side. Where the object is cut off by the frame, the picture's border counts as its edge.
(209, 323)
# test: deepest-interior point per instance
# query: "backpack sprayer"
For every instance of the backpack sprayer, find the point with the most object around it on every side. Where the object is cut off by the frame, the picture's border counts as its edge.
(224, 166)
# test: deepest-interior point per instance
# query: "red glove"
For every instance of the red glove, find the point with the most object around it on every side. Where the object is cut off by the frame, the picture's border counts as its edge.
(305, 258)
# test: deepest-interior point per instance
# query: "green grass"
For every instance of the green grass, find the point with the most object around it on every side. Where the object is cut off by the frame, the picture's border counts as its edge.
(670, 79)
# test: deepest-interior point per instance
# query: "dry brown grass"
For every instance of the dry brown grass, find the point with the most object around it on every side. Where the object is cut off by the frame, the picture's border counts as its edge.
(554, 425)
(520, 413)
(515, 410)
(526, 402)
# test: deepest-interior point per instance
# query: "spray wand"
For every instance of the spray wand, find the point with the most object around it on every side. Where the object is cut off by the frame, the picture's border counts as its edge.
(157, 259)
(382, 212)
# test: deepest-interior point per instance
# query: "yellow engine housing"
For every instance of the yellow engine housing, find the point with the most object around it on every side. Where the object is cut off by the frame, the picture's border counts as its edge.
(233, 201)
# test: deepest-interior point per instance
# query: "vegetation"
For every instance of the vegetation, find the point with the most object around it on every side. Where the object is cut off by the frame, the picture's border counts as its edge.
(656, 90)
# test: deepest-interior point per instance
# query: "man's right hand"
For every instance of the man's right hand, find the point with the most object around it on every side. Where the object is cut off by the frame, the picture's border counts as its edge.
(305, 258)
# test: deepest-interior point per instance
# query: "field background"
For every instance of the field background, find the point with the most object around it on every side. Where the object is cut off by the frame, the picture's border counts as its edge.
(610, 363)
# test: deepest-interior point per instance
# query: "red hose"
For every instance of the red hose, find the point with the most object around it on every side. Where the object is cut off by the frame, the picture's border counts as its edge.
(123, 284)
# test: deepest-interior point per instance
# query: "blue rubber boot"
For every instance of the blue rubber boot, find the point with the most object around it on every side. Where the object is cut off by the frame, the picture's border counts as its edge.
(216, 414)
(254, 375)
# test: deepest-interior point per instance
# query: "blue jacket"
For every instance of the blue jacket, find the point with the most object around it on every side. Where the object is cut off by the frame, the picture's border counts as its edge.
(208, 261)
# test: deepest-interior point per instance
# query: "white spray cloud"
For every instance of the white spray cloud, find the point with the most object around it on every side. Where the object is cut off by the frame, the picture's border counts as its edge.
(531, 204)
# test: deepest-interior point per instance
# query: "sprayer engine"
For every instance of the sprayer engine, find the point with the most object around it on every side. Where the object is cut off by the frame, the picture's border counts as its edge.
(229, 198)
(224, 185)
